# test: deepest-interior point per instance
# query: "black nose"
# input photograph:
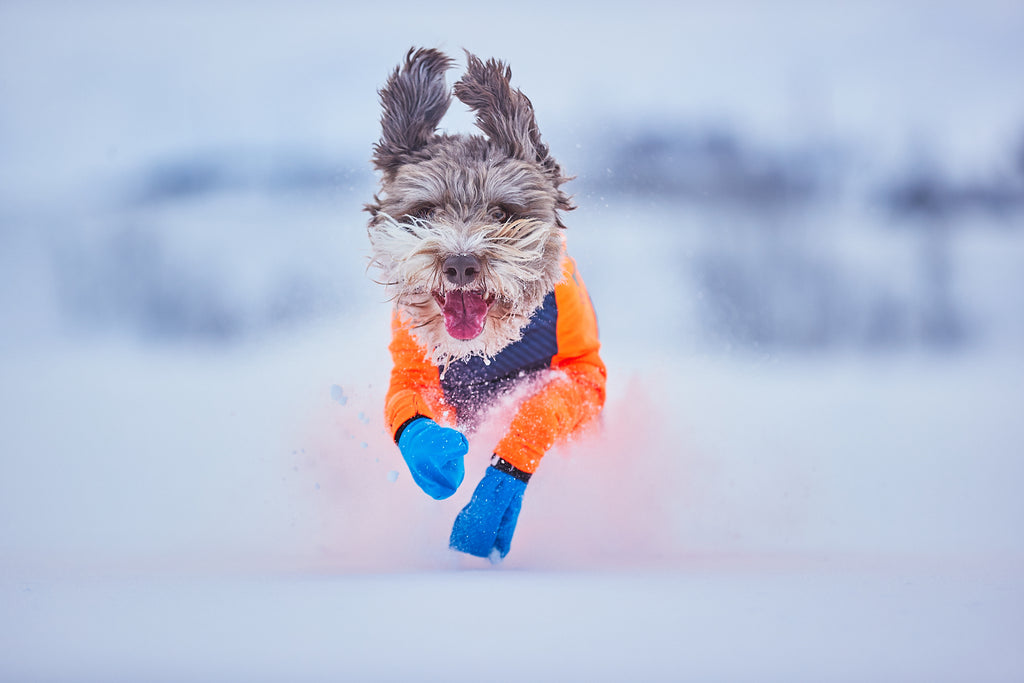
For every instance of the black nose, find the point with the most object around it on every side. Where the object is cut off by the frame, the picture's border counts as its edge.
(461, 269)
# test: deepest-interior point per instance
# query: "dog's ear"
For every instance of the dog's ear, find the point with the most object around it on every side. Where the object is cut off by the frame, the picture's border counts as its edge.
(506, 116)
(414, 99)
(503, 114)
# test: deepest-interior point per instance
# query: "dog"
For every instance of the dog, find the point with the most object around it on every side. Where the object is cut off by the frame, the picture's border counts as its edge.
(466, 234)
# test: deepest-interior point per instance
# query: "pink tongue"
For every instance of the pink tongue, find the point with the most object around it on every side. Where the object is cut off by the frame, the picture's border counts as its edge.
(464, 314)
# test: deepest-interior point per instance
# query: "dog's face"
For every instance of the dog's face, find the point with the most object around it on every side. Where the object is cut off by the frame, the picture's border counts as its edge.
(465, 231)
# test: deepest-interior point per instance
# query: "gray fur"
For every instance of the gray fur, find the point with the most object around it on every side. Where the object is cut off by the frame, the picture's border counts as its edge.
(414, 101)
(495, 196)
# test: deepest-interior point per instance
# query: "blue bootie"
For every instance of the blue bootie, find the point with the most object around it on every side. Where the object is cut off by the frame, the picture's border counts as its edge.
(485, 526)
(434, 455)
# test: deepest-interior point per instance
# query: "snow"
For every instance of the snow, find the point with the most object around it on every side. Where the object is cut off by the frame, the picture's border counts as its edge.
(196, 483)
(208, 515)
(523, 626)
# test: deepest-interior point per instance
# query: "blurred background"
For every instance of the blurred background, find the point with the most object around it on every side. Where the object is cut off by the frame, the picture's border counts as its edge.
(796, 179)
(802, 225)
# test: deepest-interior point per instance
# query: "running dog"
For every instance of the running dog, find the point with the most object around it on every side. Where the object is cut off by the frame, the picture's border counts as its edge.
(467, 236)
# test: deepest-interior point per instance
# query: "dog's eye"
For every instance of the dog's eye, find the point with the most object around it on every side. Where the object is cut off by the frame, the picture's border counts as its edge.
(423, 212)
(499, 214)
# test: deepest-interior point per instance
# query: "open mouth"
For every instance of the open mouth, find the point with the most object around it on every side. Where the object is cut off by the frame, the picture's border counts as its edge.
(465, 312)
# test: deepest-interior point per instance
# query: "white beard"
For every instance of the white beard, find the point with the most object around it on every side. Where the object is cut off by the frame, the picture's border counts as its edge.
(521, 262)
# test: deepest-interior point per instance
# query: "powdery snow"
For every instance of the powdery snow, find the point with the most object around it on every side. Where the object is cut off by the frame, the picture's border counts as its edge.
(208, 515)
(753, 624)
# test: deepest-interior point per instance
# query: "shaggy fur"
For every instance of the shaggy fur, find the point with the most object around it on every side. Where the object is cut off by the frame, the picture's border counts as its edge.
(495, 198)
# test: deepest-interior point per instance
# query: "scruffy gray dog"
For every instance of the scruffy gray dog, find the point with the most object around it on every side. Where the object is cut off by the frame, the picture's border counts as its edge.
(467, 237)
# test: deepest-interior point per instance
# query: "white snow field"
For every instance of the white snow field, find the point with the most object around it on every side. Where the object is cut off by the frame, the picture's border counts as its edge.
(211, 516)
(812, 457)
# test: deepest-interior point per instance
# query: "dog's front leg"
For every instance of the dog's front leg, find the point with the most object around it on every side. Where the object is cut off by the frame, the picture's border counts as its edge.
(433, 453)
(485, 526)
(562, 406)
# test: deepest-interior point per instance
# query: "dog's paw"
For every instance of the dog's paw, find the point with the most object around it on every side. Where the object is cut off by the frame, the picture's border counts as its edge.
(434, 455)
(484, 527)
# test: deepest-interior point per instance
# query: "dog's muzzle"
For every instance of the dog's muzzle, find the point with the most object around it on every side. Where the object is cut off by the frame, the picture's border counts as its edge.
(465, 310)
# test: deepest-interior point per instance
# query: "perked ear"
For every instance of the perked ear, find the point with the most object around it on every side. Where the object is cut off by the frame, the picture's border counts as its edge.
(503, 114)
(506, 115)
(414, 99)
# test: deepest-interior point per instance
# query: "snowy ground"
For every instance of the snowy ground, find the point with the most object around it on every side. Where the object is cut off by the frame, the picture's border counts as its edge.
(194, 480)
(196, 516)
(782, 625)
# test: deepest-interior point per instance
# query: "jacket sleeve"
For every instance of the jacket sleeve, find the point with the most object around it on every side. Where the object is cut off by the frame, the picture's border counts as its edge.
(415, 387)
(575, 393)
